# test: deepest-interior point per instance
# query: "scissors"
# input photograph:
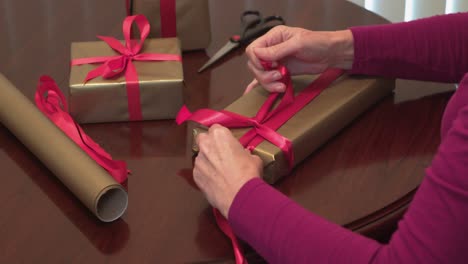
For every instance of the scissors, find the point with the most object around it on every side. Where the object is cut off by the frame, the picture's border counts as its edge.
(253, 26)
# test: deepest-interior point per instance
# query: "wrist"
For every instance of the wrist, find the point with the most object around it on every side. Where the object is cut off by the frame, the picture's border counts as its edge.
(230, 196)
(341, 49)
(227, 199)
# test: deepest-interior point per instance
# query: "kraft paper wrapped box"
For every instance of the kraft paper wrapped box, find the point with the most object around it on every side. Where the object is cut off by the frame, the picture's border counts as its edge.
(311, 127)
(192, 20)
(105, 100)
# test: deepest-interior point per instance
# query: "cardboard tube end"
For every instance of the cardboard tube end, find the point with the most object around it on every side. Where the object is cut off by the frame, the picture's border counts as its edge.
(111, 204)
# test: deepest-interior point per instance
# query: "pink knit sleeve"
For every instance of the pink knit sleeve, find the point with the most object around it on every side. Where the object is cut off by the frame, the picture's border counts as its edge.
(430, 49)
(434, 229)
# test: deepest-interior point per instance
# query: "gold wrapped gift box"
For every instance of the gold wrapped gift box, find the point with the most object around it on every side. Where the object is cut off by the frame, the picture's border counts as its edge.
(192, 21)
(317, 122)
(105, 100)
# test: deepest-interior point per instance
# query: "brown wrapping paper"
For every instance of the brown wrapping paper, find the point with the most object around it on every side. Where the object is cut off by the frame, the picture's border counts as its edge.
(311, 127)
(105, 100)
(90, 183)
(192, 16)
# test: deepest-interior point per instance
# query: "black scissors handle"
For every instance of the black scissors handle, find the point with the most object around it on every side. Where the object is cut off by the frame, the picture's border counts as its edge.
(254, 26)
(250, 19)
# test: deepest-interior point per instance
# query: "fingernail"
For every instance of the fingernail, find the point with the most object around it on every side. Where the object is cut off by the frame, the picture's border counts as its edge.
(276, 76)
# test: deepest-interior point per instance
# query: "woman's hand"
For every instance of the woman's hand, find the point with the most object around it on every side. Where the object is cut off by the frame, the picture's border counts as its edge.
(301, 51)
(223, 166)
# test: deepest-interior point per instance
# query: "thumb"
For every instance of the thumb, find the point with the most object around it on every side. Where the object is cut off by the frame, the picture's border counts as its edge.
(276, 52)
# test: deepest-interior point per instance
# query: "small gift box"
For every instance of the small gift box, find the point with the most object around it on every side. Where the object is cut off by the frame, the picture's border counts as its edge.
(111, 81)
(307, 129)
(189, 20)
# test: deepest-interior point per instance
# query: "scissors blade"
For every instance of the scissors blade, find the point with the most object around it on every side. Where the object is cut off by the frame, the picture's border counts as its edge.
(230, 45)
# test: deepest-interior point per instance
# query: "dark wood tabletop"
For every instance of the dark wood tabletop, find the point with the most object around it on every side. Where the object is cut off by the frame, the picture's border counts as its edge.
(363, 178)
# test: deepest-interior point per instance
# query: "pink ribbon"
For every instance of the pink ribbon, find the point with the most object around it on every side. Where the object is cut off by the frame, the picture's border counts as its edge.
(128, 7)
(264, 125)
(168, 18)
(208, 117)
(167, 10)
(113, 66)
(51, 101)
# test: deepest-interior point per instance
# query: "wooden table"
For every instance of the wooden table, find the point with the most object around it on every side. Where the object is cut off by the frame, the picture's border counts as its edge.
(362, 179)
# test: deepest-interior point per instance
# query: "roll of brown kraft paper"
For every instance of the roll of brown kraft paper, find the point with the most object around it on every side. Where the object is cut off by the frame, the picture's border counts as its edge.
(89, 182)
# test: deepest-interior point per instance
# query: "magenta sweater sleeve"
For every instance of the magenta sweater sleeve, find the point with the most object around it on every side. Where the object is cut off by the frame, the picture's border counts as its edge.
(429, 49)
(434, 229)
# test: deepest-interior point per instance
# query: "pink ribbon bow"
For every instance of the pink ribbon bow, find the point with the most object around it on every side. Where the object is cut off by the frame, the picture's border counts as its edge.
(51, 101)
(264, 125)
(262, 129)
(113, 66)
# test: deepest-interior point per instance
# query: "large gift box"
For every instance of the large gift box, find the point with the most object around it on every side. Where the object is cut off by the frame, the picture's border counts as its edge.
(333, 109)
(143, 86)
(189, 20)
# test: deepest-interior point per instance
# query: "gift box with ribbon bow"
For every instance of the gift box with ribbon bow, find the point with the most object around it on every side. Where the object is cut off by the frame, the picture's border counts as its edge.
(133, 80)
(189, 20)
(284, 132)
(283, 129)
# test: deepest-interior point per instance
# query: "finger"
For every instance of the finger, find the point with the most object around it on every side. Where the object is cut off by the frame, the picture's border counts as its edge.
(268, 79)
(276, 52)
(251, 85)
(225, 145)
(220, 137)
(202, 167)
(203, 143)
(216, 128)
(276, 35)
(219, 132)
(264, 76)
(273, 37)
(256, 62)
(198, 138)
(199, 175)
(251, 55)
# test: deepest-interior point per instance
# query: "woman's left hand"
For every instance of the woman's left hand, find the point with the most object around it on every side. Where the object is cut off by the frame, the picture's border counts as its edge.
(223, 166)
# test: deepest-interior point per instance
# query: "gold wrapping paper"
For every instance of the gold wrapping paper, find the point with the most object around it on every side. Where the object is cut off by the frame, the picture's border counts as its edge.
(90, 183)
(311, 127)
(105, 100)
(192, 16)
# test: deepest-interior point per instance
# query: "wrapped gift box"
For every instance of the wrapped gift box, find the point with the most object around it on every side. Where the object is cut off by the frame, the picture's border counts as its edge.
(311, 127)
(192, 20)
(105, 100)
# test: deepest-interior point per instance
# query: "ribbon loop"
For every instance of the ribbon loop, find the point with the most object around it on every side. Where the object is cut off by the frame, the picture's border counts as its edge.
(143, 27)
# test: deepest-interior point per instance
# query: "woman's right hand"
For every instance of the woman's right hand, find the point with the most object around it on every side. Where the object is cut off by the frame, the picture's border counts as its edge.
(301, 51)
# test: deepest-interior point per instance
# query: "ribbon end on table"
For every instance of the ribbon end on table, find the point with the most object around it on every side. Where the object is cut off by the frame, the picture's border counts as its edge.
(183, 115)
